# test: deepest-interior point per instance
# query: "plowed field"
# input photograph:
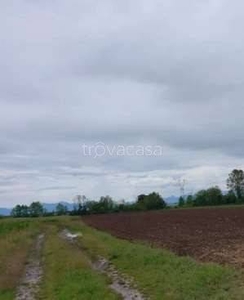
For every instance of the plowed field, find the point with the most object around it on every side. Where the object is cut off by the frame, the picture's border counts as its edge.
(214, 234)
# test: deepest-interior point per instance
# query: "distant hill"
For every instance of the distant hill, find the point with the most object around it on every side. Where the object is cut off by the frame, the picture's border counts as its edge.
(52, 206)
(172, 199)
(5, 211)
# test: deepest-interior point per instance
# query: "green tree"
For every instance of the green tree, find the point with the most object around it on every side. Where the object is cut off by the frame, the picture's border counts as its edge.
(189, 201)
(181, 201)
(106, 204)
(211, 196)
(61, 209)
(80, 203)
(149, 202)
(235, 183)
(214, 196)
(200, 198)
(141, 198)
(36, 209)
(16, 211)
(24, 211)
(230, 198)
(20, 211)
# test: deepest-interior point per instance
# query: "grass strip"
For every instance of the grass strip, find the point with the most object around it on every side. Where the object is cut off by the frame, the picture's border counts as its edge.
(67, 273)
(16, 238)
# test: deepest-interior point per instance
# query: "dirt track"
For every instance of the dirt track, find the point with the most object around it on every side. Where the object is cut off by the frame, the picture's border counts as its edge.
(29, 286)
(121, 285)
(214, 234)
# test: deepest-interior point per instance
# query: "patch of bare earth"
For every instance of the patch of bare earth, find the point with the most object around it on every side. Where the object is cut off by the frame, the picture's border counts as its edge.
(210, 234)
(119, 283)
(29, 286)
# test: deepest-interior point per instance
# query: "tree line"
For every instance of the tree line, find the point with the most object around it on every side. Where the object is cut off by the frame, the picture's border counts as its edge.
(83, 206)
(214, 195)
(36, 209)
(152, 201)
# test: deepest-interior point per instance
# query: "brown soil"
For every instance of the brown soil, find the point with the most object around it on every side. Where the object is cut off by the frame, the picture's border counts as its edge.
(209, 234)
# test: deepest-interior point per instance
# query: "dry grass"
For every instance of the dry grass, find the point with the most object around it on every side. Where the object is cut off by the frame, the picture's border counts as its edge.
(14, 247)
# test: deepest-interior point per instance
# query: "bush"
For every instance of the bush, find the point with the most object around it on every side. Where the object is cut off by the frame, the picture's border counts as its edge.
(149, 202)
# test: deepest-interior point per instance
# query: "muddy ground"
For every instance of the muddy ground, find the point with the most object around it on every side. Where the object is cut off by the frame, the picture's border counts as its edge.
(214, 234)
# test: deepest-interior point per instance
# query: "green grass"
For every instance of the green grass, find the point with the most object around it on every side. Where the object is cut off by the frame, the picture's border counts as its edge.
(68, 274)
(16, 225)
(7, 294)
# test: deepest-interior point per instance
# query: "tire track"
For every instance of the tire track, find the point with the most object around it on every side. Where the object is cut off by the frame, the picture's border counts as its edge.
(29, 285)
(119, 283)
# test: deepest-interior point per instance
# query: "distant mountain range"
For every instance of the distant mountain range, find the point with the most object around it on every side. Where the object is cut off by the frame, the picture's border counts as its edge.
(49, 207)
(172, 199)
(5, 211)
(52, 206)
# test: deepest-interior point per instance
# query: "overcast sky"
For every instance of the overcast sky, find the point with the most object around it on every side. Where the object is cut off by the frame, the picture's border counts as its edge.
(119, 73)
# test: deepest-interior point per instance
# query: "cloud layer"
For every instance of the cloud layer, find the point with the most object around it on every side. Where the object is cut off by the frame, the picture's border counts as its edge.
(121, 73)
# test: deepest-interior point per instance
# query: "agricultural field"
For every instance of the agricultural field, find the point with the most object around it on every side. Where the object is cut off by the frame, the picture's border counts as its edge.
(59, 258)
(206, 234)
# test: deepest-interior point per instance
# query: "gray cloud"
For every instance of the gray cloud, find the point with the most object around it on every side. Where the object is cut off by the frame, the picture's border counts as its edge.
(122, 73)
